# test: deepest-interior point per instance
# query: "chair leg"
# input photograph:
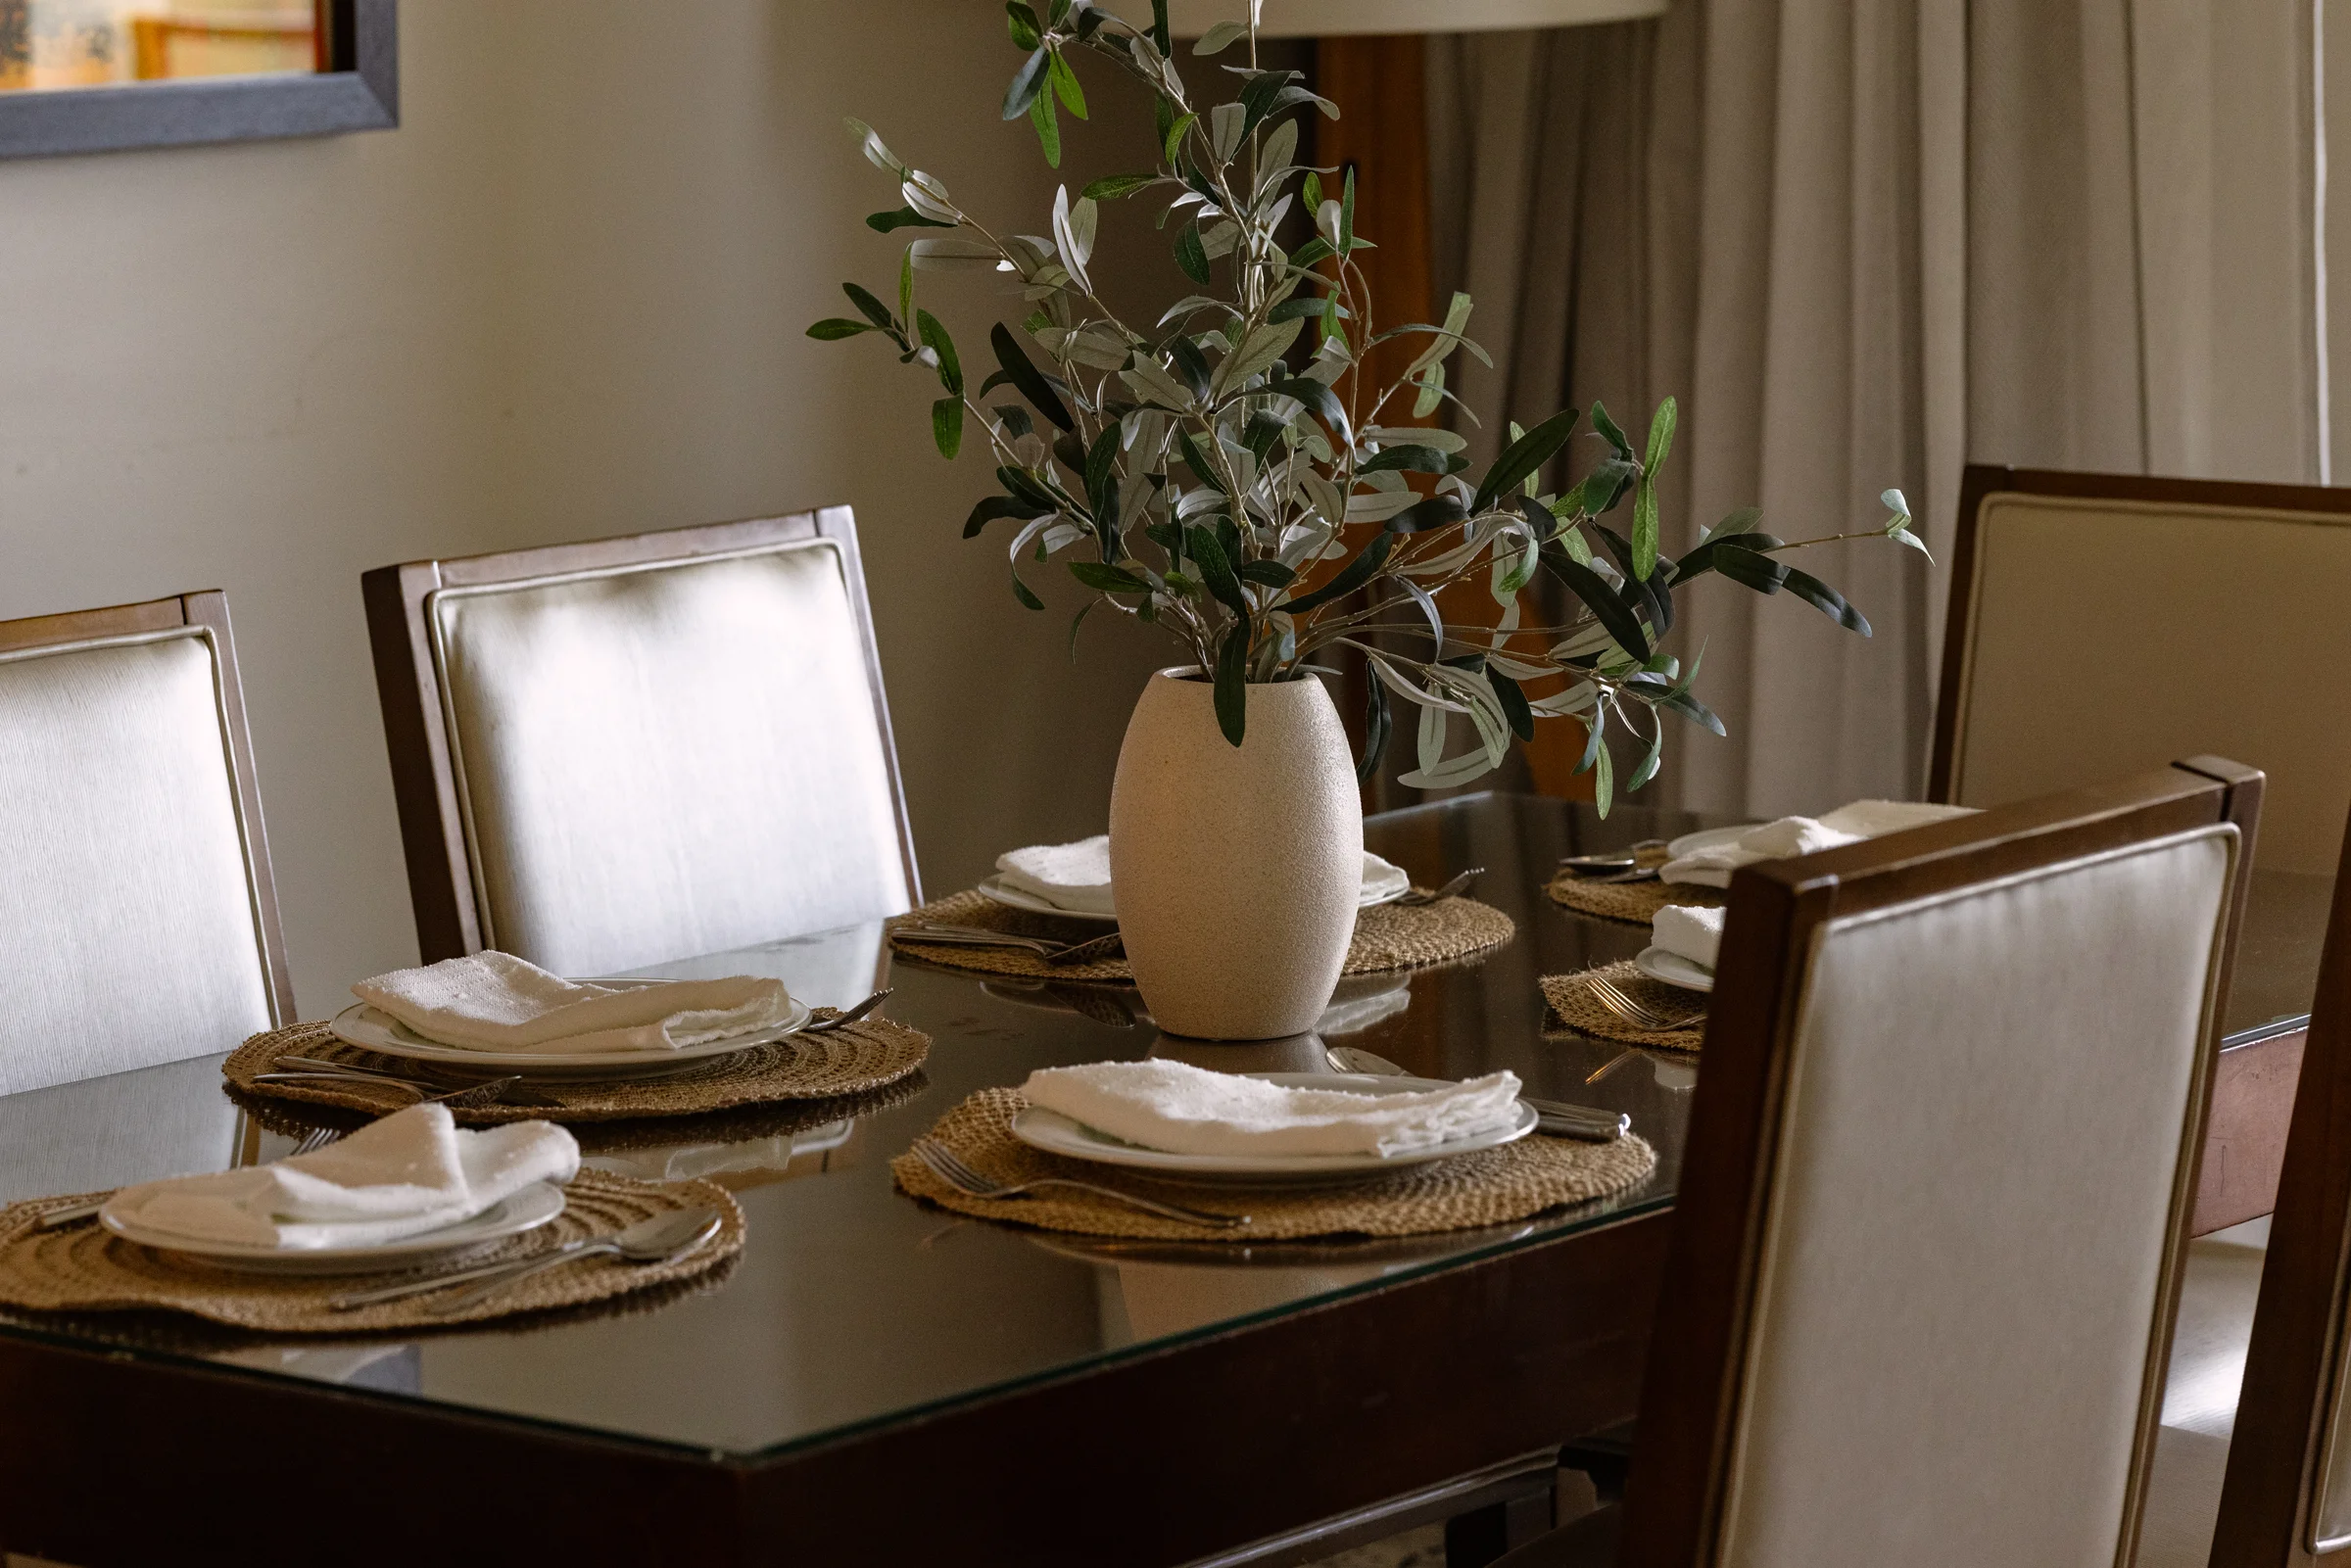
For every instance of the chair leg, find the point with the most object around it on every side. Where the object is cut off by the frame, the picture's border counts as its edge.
(1474, 1540)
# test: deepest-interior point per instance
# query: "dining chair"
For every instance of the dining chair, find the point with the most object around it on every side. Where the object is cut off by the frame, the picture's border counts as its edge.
(138, 921)
(631, 750)
(1938, 1176)
(2105, 622)
(2286, 1493)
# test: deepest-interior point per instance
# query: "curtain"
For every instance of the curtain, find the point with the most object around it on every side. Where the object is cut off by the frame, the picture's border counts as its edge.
(1864, 242)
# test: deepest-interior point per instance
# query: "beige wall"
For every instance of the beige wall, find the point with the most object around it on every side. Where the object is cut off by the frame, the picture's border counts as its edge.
(565, 299)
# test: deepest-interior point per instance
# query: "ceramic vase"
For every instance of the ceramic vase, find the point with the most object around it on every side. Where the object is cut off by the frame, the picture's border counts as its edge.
(1237, 867)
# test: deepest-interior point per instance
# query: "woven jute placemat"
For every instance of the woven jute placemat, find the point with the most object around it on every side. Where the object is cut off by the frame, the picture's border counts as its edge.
(1574, 1004)
(1387, 937)
(1486, 1188)
(86, 1268)
(862, 1057)
(1634, 903)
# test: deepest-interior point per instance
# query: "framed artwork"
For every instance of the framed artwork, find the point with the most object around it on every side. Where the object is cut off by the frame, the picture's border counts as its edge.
(95, 76)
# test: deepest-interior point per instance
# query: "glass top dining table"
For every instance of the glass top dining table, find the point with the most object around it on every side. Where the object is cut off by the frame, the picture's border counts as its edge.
(855, 1307)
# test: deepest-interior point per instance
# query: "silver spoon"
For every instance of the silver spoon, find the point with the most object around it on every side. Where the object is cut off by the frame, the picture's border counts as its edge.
(827, 1025)
(648, 1241)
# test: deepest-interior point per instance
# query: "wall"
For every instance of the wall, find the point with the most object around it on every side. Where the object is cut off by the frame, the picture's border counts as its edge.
(564, 299)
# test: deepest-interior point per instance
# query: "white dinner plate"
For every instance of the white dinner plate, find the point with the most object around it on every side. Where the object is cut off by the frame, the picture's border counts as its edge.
(527, 1210)
(372, 1030)
(1011, 897)
(1709, 839)
(1673, 970)
(1056, 1134)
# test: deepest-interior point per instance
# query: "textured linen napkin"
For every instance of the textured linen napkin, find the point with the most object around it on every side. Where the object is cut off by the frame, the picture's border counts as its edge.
(1187, 1109)
(1077, 876)
(1690, 932)
(497, 1002)
(416, 1171)
(1805, 836)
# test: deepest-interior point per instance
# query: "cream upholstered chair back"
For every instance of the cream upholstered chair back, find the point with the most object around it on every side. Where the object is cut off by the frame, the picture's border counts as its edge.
(138, 923)
(641, 749)
(1938, 1178)
(2101, 624)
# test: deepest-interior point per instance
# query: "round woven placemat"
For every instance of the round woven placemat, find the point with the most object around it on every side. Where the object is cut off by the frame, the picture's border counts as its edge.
(1387, 937)
(1486, 1188)
(86, 1268)
(1634, 903)
(1574, 1004)
(864, 1056)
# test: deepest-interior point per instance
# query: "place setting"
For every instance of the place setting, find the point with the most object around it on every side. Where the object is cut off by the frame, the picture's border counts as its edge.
(1049, 913)
(410, 1223)
(1657, 999)
(1159, 1149)
(496, 1039)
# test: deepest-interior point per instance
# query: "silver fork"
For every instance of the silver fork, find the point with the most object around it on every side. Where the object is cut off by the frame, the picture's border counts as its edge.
(849, 1016)
(312, 1142)
(1640, 1016)
(944, 1164)
(1451, 889)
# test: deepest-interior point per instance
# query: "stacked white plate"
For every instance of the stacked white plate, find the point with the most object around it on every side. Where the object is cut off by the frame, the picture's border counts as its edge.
(372, 1030)
(526, 1209)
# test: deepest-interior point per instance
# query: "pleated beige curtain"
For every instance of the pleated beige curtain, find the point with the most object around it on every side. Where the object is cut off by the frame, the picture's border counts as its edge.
(1865, 242)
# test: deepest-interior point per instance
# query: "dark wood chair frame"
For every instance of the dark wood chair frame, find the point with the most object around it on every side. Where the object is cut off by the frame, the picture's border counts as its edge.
(1691, 1396)
(207, 611)
(408, 679)
(2291, 1364)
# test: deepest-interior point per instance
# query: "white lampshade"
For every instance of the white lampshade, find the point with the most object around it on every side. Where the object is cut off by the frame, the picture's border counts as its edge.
(1324, 18)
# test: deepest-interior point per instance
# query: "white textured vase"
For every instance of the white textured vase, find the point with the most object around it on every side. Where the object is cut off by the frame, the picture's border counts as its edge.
(1237, 867)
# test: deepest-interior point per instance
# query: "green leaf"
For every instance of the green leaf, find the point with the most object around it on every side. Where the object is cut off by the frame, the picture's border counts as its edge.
(1604, 777)
(946, 426)
(950, 367)
(1826, 599)
(1159, 27)
(1523, 457)
(1220, 38)
(1268, 574)
(1407, 459)
(873, 310)
(1319, 396)
(903, 218)
(1049, 130)
(1347, 212)
(1101, 484)
(1354, 575)
(1513, 698)
(1028, 83)
(1026, 31)
(995, 507)
(1746, 568)
(1232, 690)
(1065, 86)
(1110, 187)
(1020, 591)
(1078, 621)
(1175, 137)
(1587, 585)
(1192, 255)
(1437, 511)
(1310, 191)
(1648, 764)
(1299, 307)
(1108, 578)
(1644, 528)
(1375, 726)
(906, 285)
(1601, 488)
(1216, 570)
(1660, 440)
(1024, 374)
(1315, 250)
(1607, 428)
(833, 328)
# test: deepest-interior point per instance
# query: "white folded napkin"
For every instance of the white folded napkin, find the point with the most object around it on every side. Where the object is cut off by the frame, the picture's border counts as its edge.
(1186, 1110)
(412, 1171)
(498, 1002)
(1689, 931)
(1077, 876)
(1804, 835)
